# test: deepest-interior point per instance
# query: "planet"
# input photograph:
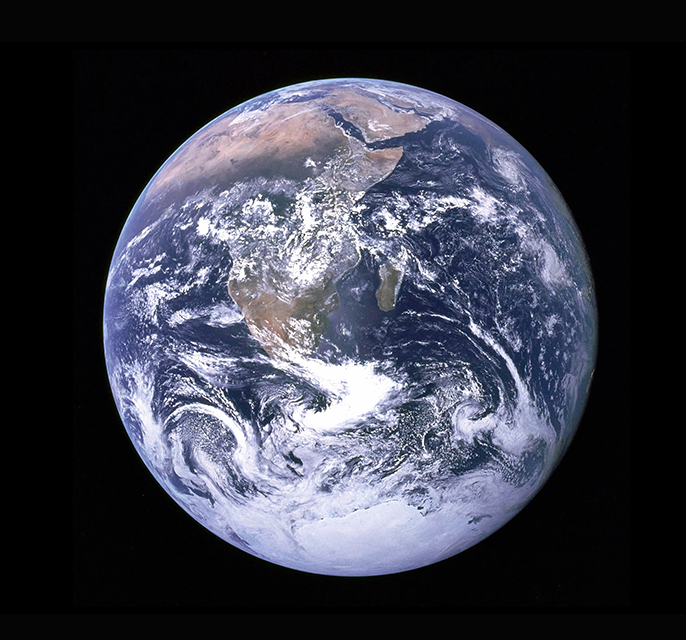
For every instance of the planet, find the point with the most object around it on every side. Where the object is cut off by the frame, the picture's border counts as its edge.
(350, 327)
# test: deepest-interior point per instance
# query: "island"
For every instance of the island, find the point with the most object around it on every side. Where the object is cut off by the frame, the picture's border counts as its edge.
(387, 293)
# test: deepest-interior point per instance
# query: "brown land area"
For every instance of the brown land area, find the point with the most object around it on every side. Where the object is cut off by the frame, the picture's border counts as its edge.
(284, 133)
(281, 139)
(281, 134)
(375, 120)
(385, 294)
(276, 321)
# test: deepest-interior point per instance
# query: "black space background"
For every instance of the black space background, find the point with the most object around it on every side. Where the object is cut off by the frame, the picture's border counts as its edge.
(135, 549)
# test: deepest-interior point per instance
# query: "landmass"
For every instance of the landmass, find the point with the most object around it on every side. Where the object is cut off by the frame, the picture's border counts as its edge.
(285, 283)
(279, 137)
(376, 120)
(287, 291)
(281, 321)
(387, 293)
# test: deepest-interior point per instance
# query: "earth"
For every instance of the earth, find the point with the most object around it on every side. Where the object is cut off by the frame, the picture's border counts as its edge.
(350, 327)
